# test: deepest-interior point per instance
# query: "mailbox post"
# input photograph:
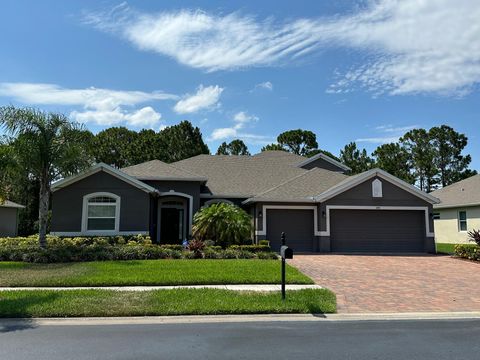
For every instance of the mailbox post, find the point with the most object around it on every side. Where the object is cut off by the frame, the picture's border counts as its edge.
(285, 253)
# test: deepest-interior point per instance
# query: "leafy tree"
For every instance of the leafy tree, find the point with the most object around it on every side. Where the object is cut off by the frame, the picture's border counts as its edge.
(47, 147)
(357, 160)
(235, 147)
(113, 146)
(300, 142)
(273, 147)
(421, 158)
(146, 146)
(448, 146)
(394, 159)
(226, 224)
(182, 141)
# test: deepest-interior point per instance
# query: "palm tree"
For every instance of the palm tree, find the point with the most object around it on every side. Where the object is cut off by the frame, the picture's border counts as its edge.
(47, 147)
(224, 223)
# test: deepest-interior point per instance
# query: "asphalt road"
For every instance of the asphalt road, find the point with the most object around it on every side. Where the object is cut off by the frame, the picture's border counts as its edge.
(440, 339)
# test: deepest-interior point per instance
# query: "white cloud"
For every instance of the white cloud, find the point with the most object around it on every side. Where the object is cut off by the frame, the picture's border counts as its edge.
(240, 119)
(99, 106)
(205, 98)
(387, 134)
(267, 85)
(412, 46)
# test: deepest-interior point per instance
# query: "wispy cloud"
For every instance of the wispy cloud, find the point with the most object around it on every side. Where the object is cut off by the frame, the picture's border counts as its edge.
(240, 120)
(387, 134)
(205, 98)
(411, 46)
(267, 85)
(99, 106)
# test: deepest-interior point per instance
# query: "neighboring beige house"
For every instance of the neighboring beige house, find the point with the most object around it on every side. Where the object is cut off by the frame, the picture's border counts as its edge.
(458, 212)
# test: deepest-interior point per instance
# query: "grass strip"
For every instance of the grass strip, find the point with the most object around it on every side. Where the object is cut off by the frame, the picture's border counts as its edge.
(148, 272)
(444, 248)
(95, 303)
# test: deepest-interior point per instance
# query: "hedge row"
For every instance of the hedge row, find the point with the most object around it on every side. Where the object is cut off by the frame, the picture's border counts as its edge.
(60, 250)
(467, 251)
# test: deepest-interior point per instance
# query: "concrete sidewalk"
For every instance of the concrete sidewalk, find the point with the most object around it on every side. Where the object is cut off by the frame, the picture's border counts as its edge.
(262, 288)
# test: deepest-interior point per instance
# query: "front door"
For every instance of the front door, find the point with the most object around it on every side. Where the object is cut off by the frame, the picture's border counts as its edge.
(171, 226)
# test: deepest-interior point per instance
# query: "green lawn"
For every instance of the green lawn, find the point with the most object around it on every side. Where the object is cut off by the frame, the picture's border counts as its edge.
(445, 248)
(85, 303)
(148, 272)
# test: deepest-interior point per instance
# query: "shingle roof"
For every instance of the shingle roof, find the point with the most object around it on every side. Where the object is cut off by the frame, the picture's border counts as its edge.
(10, 204)
(243, 176)
(158, 170)
(462, 193)
(303, 187)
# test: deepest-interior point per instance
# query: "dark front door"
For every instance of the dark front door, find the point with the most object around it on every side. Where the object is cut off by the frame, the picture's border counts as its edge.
(171, 226)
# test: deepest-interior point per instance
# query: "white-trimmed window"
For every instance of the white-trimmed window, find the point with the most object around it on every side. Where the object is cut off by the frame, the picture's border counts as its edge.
(101, 213)
(462, 220)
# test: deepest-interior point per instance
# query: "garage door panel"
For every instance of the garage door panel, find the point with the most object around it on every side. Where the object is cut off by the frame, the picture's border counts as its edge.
(377, 231)
(297, 225)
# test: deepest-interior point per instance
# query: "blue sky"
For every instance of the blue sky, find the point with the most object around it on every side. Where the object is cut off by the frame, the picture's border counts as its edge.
(362, 71)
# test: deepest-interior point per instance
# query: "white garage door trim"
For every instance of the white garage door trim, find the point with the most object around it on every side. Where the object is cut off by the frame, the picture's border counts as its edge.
(388, 208)
(287, 207)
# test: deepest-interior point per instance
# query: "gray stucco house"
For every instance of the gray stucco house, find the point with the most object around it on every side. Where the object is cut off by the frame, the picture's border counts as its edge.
(318, 206)
(9, 218)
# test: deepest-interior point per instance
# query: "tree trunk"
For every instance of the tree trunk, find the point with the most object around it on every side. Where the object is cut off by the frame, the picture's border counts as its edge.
(43, 212)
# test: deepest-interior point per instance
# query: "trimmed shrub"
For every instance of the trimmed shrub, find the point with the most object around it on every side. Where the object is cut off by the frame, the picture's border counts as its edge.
(264, 242)
(267, 256)
(467, 251)
(252, 248)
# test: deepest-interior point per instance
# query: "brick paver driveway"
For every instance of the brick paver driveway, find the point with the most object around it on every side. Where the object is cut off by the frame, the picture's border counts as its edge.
(369, 283)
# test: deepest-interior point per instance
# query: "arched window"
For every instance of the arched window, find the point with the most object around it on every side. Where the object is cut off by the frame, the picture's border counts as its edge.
(101, 213)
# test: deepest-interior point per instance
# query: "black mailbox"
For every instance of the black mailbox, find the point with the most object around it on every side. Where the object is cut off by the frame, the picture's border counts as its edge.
(286, 252)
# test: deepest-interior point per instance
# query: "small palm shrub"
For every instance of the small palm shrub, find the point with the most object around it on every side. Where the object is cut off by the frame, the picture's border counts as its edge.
(474, 236)
(225, 224)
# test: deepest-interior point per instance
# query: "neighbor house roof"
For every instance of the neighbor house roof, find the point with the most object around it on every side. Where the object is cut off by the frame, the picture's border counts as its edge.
(158, 170)
(303, 187)
(243, 176)
(10, 204)
(462, 193)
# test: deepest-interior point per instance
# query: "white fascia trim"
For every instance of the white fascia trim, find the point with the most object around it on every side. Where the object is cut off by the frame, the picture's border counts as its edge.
(287, 207)
(12, 206)
(370, 174)
(108, 169)
(221, 196)
(190, 205)
(440, 206)
(171, 178)
(428, 233)
(98, 233)
(326, 158)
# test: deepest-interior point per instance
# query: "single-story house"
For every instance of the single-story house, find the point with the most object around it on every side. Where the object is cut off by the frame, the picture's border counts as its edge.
(312, 200)
(9, 218)
(458, 212)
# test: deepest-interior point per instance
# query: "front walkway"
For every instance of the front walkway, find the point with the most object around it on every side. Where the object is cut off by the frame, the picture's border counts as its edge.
(369, 283)
(263, 288)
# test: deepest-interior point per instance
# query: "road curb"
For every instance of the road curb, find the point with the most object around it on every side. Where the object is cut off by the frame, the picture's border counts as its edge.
(195, 319)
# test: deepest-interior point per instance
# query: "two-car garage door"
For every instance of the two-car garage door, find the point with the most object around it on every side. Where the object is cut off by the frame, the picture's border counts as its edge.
(374, 231)
(386, 231)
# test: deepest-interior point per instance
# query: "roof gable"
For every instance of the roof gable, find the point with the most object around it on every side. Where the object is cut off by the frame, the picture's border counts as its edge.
(108, 169)
(328, 159)
(352, 181)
